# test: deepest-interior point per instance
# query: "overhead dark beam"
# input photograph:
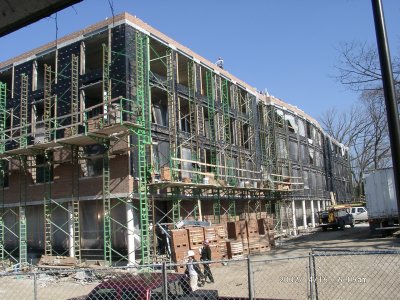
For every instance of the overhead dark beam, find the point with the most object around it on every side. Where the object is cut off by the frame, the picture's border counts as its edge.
(15, 14)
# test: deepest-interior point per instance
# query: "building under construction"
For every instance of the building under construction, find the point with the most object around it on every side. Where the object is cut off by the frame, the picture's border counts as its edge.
(115, 133)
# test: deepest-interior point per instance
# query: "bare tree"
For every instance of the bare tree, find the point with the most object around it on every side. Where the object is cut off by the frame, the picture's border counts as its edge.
(350, 128)
(374, 102)
(359, 68)
(363, 128)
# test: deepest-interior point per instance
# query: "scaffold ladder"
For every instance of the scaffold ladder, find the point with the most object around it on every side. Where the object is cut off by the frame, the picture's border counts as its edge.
(263, 117)
(3, 114)
(47, 206)
(24, 111)
(226, 110)
(22, 205)
(75, 202)
(210, 91)
(107, 207)
(143, 200)
(194, 137)
(172, 111)
(2, 245)
(74, 94)
(2, 227)
(47, 103)
(217, 206)
(231, 209)
(176, 206)
(23, 249)
(144, 138)
(278, 216)
(106, 82)
(271, 147)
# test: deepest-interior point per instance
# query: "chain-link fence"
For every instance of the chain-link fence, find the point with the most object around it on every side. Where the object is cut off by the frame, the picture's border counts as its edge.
(323, 274)
(355, 274)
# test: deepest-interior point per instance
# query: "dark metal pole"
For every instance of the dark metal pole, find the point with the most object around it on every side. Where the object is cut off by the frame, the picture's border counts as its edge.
(390, 97)
(250, 278)
(165, 281)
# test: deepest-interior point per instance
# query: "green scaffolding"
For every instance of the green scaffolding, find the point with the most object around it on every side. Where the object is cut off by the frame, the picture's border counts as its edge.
(24, 112)
(143, 132)
(3, 115)
(210, 92)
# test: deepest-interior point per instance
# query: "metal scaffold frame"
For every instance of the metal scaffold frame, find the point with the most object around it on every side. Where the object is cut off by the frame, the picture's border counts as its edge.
(23, 251)
(48, 230)
(172, 113)
(263, 117)
(69, 210)
(210, 92)
(193, 139)
(107, 206)
(217, 206)
(24, 112)
(3, 114)
(74, 94)
(75, 215)
(106, 82)
(48, 103)
(2, 227)
(143, 133)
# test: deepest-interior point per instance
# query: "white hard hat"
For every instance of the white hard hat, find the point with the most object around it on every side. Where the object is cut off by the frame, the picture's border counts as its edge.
(190, 253)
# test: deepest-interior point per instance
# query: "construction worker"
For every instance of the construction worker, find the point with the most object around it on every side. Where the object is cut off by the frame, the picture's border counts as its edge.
(205, 256)
(193, 270)
(220, 62)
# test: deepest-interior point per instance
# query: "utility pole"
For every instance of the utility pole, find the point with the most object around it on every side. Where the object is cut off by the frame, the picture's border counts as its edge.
(390, 97)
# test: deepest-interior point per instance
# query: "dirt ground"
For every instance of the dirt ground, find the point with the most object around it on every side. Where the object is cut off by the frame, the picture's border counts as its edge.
(283, 272)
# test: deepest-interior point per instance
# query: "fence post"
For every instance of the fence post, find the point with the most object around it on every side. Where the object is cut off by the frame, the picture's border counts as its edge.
(34, 286)
(315, 279)
(165, 281)
(310, 276)
(250, 277)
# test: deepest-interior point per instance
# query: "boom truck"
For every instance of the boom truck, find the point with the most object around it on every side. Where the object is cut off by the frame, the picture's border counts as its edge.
(380, 195)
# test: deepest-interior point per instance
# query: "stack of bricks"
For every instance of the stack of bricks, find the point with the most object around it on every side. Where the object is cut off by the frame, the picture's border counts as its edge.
(216, 236)
(196, 238)
(221, 241)
(211, 235)
(265, 227)
(241, 238)
(180, 247)
(271, 233)
(237, 231)
(256, 243)
(255, 235)
(235, 249)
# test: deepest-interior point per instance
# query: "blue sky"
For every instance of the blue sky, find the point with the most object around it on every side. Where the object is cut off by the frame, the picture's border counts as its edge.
(286, 46)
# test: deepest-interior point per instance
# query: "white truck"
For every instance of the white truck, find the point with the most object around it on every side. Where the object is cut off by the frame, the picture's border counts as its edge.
(380, 196)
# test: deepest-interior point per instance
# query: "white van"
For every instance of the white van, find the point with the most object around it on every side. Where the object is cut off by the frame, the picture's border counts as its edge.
(360, 214)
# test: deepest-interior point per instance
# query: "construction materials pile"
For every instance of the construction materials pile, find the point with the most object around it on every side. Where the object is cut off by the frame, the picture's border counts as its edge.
(233, 240)
(249, 237)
